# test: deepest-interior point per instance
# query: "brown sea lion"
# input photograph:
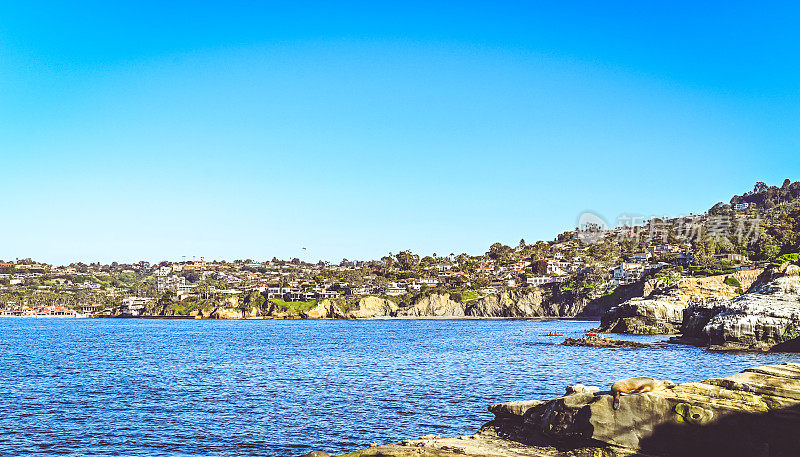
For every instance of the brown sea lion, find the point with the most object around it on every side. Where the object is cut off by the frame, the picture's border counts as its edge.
(637, 385)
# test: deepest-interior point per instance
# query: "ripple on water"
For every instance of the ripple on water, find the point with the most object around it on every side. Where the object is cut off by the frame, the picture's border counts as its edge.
(276, 388)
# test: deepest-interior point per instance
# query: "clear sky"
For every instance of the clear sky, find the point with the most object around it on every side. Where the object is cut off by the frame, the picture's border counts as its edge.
(139, 131)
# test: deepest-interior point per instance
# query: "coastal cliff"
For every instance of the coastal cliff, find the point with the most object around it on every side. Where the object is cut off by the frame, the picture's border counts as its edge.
(767, 317)
(660, 308)
(751, 414)
(532, 303)
(524, 304)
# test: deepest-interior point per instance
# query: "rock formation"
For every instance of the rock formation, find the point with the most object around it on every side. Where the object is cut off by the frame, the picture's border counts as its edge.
(524, 304)
(370, 307)
(601, 342)
(435, 305)
(531, 303)
(766, 317)
(325, 309)
(226, 313)
(755, 413)
(660, 310)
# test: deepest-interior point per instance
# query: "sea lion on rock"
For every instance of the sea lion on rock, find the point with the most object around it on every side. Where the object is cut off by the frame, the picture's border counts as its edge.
(637, 385)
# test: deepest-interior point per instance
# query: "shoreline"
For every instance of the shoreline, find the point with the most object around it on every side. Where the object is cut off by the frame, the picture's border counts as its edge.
(740, 415)
(399, 318)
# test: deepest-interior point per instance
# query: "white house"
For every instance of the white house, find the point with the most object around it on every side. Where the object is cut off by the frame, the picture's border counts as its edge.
(542, 280)
(627, 273)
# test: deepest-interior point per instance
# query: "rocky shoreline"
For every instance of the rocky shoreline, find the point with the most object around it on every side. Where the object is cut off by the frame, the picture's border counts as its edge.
(755, 413)
(528, 304)
(764, 318)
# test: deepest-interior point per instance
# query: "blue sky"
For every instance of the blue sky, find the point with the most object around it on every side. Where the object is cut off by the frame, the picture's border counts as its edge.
(232, 130)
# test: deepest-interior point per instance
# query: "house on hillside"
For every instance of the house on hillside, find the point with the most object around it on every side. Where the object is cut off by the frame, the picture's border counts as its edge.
(627, 272)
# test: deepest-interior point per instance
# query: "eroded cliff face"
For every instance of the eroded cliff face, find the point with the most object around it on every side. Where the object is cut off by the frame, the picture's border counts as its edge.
(371, 307)
(325, 309)
(435, 305)
(530, 303)
(660, 309)
(767, 317)
(527, 304)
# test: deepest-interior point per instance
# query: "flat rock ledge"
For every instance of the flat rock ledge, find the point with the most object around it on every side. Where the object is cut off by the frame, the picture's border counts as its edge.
(755, 413)
(602, 342)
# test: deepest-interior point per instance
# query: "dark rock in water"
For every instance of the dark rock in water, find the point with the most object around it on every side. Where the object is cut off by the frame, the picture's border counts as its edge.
(602, 342)
(316, 454)
(687, 340)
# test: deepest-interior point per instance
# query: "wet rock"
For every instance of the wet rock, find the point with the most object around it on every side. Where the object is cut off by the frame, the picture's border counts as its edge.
(602, 342)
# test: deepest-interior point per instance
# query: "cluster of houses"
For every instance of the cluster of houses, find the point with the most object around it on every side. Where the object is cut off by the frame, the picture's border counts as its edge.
(301, 282)
(42, 311)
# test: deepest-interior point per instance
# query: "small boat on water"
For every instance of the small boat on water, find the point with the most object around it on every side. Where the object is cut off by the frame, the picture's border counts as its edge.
(590, 334)
(555, 334)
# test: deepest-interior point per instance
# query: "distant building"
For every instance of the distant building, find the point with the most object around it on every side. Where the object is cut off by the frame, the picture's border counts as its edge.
(627, 273)
(327, 294)
(736, 258)
(394, 289)
(740, 206)
(685, 258)
(174, 283)
(430, 282)
(542, 280)
(134, 306)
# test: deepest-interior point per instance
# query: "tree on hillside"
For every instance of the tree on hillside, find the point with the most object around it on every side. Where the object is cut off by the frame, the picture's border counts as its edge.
(499, 251)
(407, 260)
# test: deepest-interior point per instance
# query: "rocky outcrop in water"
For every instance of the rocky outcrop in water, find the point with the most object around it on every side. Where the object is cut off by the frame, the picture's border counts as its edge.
(767, 317)
(661, 308)
(755, 413)
(644, 316)
(601, 342)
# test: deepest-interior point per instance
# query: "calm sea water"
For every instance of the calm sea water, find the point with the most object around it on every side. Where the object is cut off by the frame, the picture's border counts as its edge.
(282, 388)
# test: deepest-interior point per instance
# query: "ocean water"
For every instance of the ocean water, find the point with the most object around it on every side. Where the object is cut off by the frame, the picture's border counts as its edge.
(136, 387)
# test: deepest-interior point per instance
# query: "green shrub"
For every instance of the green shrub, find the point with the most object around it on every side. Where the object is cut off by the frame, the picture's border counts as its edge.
(791, 258)
(732, 281)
